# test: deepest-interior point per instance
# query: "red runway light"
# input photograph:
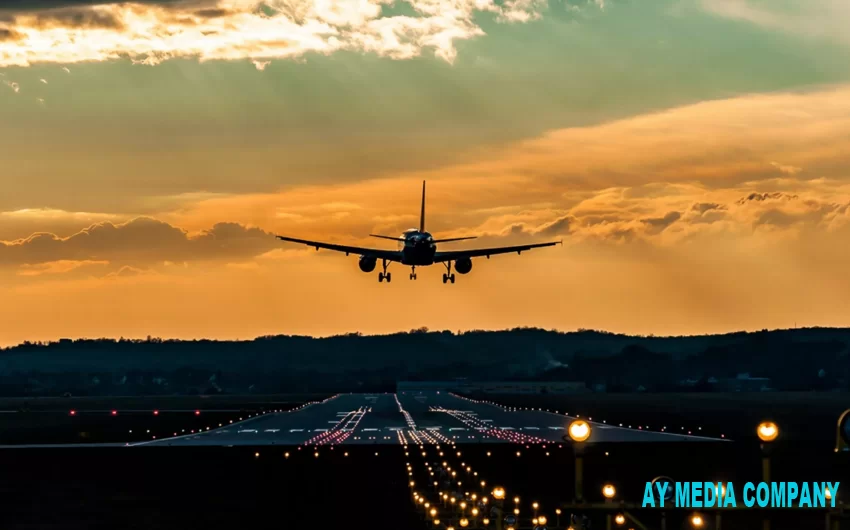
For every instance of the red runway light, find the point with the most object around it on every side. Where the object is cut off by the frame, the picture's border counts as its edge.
(114, 412)
(156, 413)
(73, 413)
(197, 413)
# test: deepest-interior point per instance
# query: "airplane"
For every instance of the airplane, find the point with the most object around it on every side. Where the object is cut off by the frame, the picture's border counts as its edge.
(417, 248)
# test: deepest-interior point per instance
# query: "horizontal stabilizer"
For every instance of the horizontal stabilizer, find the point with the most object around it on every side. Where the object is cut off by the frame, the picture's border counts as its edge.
(391, 238)
(453, 239)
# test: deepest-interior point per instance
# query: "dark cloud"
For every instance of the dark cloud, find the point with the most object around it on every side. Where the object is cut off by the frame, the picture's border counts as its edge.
(128, 272)
(516, 229)
(660, 223)
(621, 235)
(37, 5)
(83, 13)
(593, 220)
(9, 35)
(559, 226)
(703, 207)
(776, 218)
(761, 197)
(814, 214)
(76, 18)
(214, 12)
(138, 242)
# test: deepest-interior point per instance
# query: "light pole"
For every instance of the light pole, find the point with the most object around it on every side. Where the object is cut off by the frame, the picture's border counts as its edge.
(496, 511)
(668, 495)
(832, 524)
(720, 494)
(579, 431)
(608, 491)
(767, 432)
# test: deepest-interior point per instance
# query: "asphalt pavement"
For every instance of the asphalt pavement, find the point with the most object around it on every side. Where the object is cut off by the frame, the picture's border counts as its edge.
(411, 417)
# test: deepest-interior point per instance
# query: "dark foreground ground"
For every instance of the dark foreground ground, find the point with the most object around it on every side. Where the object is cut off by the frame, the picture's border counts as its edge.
(90, 420)
(227, 488)
(187, 488)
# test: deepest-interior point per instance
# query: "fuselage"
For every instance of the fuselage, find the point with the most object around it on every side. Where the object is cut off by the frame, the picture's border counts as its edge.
(418, 248)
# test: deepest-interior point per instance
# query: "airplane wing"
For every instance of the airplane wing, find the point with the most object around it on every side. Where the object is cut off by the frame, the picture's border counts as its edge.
(458, 254)
(389, 255)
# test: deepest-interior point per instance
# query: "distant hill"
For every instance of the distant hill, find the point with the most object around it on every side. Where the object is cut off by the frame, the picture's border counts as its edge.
(798, 359)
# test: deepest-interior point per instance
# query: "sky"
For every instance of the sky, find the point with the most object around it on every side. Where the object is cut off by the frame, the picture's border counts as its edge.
(693, 156)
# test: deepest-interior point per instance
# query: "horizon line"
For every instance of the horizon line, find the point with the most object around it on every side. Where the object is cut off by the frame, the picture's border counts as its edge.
(421, 330)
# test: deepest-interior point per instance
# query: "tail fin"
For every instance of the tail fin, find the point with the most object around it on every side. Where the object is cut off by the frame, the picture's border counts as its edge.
(422, 214)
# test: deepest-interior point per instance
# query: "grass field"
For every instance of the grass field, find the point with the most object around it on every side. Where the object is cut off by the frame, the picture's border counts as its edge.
(51, 420)
(155, 402)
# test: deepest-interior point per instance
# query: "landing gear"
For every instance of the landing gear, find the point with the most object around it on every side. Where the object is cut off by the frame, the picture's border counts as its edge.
(449, 276)
(385, 275)
(413, 273)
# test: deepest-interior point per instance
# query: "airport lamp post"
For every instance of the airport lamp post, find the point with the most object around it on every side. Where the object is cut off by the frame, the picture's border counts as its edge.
(767, 432)
(608, 491)
(667, 496)
(579, 431)
(497, 512)
(720, 493)
(833, 524)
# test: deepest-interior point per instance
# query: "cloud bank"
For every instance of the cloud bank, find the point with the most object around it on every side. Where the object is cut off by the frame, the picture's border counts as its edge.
(149, 33)
(141, 241)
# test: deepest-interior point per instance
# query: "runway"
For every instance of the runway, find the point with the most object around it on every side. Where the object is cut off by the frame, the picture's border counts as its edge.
(405, 418)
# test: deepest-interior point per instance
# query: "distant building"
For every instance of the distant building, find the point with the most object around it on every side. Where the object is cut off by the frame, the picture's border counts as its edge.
(495, 387)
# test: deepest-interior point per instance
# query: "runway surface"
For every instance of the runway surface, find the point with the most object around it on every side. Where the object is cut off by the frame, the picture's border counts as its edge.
(408, 417)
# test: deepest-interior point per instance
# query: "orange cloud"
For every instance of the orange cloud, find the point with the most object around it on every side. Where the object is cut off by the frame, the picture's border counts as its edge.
(643, 177)
(57, 267)
(684, 221)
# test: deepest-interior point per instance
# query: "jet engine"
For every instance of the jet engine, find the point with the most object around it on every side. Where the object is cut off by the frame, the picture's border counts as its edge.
(367, 263)
(463, 265)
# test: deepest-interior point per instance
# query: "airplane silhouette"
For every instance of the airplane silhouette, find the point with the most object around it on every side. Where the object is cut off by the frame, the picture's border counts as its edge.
(417, 248)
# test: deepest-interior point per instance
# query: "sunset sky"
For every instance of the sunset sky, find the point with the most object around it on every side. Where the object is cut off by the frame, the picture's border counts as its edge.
(694, 156)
